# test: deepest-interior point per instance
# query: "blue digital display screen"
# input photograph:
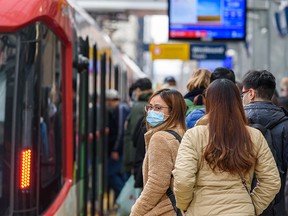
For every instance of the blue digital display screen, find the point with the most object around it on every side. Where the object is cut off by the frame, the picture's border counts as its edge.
(212, 64)
(207, 19)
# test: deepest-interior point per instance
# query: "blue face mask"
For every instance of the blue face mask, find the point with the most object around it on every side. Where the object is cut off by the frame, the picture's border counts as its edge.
(155, 118)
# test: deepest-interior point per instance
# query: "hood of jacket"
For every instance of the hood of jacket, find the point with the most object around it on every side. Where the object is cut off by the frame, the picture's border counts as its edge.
(145, 95)
(192, 94)
(264, 113)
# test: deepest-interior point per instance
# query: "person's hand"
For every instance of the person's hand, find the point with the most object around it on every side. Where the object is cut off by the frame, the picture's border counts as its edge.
(90, 137)
(97, 134)
(115, 156)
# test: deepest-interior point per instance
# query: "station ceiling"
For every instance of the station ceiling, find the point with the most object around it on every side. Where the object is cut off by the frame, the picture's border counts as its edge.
(146, 7)
(139, 7)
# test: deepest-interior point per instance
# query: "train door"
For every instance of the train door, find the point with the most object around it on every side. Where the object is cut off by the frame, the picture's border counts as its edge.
(116, 77)
(99, 198)
(92, 159)
(109, 71)
(95, 133)
(30, 120)
(82, 128)
(51, 119)
(102, 147)
(26, 122)
(97, 123)
(8, 50)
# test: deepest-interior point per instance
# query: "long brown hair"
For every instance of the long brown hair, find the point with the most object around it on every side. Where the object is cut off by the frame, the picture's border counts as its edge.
(230, 148)
(177, 108)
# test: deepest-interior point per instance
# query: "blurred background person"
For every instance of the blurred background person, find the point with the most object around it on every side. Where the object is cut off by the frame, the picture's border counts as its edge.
(218, 73)
(199, 81)
(139, 144)
(284, 87)
(223, 73)
(275, 98)
(283, 102)
(141, 91)
(118, 112)
(170, 83)
(239, 86)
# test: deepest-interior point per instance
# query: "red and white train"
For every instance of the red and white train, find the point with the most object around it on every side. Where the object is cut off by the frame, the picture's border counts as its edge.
(55, 65)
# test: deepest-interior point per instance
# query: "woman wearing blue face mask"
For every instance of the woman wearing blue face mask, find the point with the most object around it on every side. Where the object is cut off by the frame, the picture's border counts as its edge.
(165, 112)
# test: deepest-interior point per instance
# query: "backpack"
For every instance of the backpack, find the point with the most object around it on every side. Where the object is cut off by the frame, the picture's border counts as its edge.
(191, 106)
(266, 132)
(169, 191)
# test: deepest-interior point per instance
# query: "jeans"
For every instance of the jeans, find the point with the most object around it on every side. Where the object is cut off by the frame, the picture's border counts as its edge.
(116, 179)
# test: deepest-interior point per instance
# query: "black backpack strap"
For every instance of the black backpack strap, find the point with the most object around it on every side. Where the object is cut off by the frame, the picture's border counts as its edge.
(169, 191)
(171, 196)
(274, 124)
(285, 111)
(176, 135)
(260, 127)
(266, 132)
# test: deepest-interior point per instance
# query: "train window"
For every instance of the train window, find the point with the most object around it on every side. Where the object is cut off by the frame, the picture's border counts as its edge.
(7, 74)
(51, 119)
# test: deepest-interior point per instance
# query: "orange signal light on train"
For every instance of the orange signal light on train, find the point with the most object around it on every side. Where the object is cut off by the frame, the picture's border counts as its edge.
(25, 169)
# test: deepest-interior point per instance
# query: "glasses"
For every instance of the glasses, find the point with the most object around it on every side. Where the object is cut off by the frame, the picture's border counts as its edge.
(244, 92)
(149, 107)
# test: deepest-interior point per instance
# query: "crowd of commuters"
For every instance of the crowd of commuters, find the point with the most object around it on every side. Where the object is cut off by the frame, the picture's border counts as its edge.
(221, 149)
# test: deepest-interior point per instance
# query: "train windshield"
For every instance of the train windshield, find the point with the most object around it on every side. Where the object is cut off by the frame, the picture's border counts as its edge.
(7, 76)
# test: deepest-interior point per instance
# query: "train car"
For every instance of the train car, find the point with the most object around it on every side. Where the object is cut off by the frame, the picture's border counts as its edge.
(55, 65)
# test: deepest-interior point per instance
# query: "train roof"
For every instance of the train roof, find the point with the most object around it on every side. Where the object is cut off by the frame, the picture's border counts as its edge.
(90, 27)
(61, 16)
(15, 14)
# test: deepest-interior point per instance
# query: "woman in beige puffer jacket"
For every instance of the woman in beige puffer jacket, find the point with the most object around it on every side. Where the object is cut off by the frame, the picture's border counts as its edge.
(216, 162)
(165, 111)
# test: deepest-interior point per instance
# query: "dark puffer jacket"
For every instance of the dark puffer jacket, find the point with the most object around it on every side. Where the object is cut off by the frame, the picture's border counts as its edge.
(265, 113)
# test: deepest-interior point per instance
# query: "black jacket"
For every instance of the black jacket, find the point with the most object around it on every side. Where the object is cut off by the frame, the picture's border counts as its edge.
(265, 113)
(116, 122)
(139, 144)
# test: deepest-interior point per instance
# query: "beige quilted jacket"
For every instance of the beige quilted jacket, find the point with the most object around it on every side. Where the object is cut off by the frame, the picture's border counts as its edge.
(199, 191)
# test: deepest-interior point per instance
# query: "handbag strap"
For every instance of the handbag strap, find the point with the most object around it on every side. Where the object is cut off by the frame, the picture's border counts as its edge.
(175, 134)
(171, 196)
(169, 191)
